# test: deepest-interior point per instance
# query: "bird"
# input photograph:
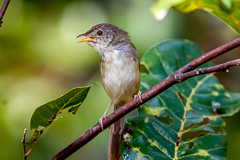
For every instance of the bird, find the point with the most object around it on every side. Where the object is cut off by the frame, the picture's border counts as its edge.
(120, 74)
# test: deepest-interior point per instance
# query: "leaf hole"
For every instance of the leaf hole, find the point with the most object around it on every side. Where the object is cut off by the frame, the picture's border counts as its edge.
(166, 119)
(128, 131)
(143, 69)
(194, 134)
(218, 130)
(181, 96)
(221, 111)
(205, 121)
(190, 145)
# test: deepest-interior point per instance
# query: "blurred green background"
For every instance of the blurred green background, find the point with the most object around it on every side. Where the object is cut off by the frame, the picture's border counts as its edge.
(40, 59)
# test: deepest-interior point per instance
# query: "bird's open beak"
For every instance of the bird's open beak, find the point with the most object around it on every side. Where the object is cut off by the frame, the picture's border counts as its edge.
(89, 39)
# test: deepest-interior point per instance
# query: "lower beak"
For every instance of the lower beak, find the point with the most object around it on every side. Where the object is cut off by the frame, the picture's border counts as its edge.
(85, 40)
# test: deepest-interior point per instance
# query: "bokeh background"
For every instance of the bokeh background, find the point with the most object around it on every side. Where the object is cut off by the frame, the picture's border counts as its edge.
(40, 59)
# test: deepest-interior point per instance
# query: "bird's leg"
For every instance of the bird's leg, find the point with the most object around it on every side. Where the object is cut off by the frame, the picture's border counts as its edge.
(105, 114)
(140, 98)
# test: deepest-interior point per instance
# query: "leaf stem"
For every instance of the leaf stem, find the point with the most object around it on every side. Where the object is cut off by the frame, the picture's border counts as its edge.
(187, 108)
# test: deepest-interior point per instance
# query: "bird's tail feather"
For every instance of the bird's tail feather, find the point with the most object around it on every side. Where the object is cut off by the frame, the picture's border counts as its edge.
(115, 139)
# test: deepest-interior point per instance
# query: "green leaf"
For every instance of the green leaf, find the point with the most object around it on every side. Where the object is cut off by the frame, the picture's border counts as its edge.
(185, 121)
(226, 10)
(161, 7)
(47, 113)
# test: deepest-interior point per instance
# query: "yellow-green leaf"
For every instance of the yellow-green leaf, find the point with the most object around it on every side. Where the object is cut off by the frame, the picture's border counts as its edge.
(226, 10)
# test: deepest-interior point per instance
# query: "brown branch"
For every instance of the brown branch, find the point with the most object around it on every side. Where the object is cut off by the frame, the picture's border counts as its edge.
(154, 91)
(210, 55)
(25, 152)
(3, 10)
(224, 67)
(24, 144)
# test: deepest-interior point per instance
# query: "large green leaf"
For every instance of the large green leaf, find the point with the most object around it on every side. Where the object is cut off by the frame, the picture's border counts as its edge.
(226, 10)
(185, 121)
(47, 113)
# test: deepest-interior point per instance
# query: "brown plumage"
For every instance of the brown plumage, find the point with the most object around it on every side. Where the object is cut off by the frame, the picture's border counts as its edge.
(120, 74)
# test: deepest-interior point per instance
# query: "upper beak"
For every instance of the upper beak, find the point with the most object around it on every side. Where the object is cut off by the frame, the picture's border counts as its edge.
(89, 39)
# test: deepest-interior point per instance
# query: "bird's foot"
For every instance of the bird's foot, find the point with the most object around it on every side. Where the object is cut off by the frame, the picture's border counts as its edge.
(140, 98)
(101, 121)
(105, 114)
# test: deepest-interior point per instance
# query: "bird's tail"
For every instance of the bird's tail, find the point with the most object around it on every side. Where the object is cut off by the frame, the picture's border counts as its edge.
(115, 139)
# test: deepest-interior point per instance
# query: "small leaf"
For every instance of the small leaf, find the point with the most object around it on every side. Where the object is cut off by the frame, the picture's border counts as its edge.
(226, 10)
(161, 7)
(227, 5)
(185, 121)
(47, 113)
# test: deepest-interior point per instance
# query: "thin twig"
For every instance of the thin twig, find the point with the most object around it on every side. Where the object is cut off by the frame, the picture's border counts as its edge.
(24, 144)
(3, 10)
(25, 152)
(30, 150)
(210, 55)
(151, 93)
(224, 67)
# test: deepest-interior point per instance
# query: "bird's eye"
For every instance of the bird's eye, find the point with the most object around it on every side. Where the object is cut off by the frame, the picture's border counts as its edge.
(99, 33)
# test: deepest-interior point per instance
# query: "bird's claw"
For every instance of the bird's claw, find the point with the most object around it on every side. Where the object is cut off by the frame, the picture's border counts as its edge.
(101, 121)
(140, 98)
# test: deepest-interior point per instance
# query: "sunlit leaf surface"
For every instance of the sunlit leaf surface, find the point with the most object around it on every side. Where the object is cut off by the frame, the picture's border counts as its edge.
(226, 10)
(185, 121)
(161, 7)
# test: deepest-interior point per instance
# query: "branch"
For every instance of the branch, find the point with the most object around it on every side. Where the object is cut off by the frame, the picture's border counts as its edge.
(224, 67)
(24, 144)
(25, 152)
(210, 55)
(179, 76)
(3, 10)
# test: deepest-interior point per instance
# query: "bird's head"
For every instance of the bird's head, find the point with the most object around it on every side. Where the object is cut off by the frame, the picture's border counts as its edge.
(104, 36)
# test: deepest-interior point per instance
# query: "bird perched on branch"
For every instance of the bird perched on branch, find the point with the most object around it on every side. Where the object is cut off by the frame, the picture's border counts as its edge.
(120, 74)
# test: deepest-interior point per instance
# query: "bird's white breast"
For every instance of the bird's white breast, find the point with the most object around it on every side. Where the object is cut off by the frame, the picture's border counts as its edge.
(118, 75)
